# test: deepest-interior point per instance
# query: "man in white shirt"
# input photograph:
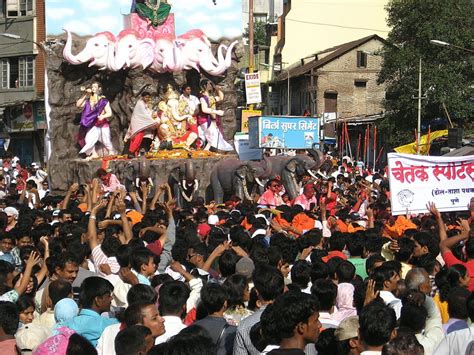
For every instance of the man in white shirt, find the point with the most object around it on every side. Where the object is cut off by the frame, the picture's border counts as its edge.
(418, 279)
(172, 306)
(193, 101)
(377, 327)
(458, 341)
(386, 280)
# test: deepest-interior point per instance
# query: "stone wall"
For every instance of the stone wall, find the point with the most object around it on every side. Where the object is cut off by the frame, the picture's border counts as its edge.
(339, 75)
(82, 171)
(122, 89)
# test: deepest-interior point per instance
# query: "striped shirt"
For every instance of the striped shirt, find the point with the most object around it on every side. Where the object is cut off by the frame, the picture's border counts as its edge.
(99, 258)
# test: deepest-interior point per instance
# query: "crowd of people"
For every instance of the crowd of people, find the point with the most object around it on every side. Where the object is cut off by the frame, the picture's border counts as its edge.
(107, 271)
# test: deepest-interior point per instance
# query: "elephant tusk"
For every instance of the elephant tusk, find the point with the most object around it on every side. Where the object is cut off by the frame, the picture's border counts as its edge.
(259, 182)
(196, 184)
(320, 173)
(186, 197)
(311, 174)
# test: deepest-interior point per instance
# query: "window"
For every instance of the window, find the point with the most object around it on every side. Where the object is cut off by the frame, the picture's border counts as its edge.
(17, 72)
(361, 59)
(4, 73)
(26, 69)
(260, 17)
(17, 8)
(360, 83)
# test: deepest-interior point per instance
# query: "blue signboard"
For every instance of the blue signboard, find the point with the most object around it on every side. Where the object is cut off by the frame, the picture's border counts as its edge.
(283, 132)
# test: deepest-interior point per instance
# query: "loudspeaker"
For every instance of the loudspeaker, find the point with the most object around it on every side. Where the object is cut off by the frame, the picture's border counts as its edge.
(455, 137)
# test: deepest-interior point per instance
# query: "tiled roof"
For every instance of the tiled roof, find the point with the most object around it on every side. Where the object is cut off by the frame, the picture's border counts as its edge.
(335, 52)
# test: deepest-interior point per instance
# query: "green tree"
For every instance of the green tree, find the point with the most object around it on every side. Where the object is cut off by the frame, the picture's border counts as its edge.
(259, 33)
(447, 73)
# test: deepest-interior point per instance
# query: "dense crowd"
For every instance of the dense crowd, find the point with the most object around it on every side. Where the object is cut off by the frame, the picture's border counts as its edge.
(107, 271)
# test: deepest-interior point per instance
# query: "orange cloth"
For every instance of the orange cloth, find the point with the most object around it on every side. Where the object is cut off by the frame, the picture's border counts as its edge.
(281, 221)
(342, 226)
(302, 222)
(246, 224)
(82, 207)
(351, 229)
(399, 227)
(333, 254)
(135, 216)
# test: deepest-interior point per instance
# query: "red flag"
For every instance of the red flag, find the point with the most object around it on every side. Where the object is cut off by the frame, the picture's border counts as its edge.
(379, 155)
(358, 147)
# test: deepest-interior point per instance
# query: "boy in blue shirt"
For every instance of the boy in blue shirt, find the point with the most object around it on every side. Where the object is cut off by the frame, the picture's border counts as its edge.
(95, 298)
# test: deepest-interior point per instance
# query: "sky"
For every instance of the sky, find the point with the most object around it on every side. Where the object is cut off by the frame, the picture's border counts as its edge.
(87, 17)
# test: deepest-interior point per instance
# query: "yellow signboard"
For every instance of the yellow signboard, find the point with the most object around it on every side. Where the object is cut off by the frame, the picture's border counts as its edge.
(245, 118)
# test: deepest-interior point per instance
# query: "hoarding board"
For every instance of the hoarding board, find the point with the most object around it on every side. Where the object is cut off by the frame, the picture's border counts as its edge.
(283, 132)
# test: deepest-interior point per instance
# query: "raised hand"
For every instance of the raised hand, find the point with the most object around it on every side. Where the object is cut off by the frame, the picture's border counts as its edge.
(370, 293)
(177, 267)
(101, 204)
(103, 224)
(33, 260)
(120, 205)
(393, 246)
(105, 268)
(219, 250)
(306, 252)
(369, 212)
(431, 206)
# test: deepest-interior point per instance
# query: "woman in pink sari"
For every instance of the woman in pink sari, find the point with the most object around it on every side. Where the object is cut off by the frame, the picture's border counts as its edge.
(344, 302)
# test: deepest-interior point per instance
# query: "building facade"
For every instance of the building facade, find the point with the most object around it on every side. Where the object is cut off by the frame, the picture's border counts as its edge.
(312, 26)
(341, 81)
(22, 80)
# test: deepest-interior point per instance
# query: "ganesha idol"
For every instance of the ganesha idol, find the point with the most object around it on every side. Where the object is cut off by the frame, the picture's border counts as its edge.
(163, 53)
(178, 127)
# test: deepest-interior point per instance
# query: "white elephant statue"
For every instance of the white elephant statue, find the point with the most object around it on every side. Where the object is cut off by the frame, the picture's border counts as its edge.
(196, 53)
(191, 50)
(132, 52)
(99, 51)
(166, 56)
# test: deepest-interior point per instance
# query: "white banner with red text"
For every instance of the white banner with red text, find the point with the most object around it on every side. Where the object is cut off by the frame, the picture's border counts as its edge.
(416, 180)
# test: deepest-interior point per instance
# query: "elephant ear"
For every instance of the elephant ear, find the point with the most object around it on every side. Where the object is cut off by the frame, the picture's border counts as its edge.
(268, 167)
(241, 171)
(317, 156)
(146, 48)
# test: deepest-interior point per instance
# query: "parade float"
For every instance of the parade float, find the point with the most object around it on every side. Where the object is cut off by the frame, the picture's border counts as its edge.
(147, 56)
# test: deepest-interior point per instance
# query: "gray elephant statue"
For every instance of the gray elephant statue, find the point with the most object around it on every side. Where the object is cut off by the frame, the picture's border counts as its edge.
(136, 172)
(183, 183)
(290, 169)
(239, 178)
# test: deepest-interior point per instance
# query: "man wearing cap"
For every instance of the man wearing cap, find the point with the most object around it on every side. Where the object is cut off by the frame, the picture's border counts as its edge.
(347, 334)
(12, 217)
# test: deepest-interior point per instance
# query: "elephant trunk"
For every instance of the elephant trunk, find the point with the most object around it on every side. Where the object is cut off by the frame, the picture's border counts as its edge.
(144, 168)
(213, 66)
(228, 56)
(177, 59)
(189, 171)
(71, 58)
(292, 186)
(267, 172)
